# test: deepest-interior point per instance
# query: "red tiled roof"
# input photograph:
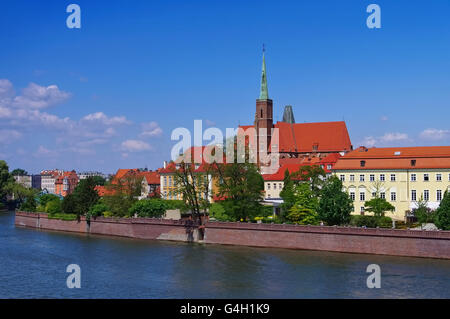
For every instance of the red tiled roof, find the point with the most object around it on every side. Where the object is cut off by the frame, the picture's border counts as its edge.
(396, 158)
(303, 137)
(151, 177)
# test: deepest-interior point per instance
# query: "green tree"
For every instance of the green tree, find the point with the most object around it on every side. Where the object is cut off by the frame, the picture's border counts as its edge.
(303, 212)
(287, 193)
(19, 172)
(69, 204)
(335, 205)
(5, 179)
(378, 206)
(98, 209)
(217, 212)
(241, 185)
(314, 174)
(99, 180)
(53, 207)
(85, 196)
(442, 214)
(423, 213)
(30, 204)
(148, 208)
(45, 198)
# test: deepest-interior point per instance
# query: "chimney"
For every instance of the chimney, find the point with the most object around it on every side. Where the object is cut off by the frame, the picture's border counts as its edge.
(165, 164)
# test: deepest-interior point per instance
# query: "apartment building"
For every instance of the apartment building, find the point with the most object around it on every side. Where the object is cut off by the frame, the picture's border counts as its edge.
(401, 175)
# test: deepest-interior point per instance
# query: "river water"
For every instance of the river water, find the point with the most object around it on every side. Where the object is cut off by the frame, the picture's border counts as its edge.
(33, 265)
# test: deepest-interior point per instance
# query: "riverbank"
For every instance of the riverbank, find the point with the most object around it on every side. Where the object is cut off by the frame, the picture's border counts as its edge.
(410, 243)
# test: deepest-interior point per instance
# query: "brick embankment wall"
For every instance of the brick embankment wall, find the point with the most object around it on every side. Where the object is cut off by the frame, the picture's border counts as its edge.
(142, 228)
(413, 243)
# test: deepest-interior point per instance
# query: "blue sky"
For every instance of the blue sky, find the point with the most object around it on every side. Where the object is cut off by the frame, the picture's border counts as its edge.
(108, 95)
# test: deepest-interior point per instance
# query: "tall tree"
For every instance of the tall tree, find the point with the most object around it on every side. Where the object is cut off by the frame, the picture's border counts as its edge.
(335, 205)
(19, 172)
(287, 193)
(315, 174)
(85, 195)
(5, 179)
(442, 215)
(303, 211)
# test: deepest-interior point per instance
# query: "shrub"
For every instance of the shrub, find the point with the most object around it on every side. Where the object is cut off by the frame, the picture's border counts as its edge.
(384, 222)
(44, 199)
(63, 216)
(29, 205)
(364, 220)
(176, 204)
(148, 208)
(217, 211)
(108, 214)
(53, 207)
(98, 210)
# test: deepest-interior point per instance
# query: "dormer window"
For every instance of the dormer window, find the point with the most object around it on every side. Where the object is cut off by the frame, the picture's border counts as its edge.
(363, 163)
(413, 162)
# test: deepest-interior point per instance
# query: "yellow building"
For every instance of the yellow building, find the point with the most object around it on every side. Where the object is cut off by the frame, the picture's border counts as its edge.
(401, 175)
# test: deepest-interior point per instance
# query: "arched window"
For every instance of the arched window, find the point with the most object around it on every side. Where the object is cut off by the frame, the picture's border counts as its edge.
(261, 113)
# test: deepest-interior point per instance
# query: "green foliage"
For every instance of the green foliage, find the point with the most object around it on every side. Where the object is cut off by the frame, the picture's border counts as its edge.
(62, 216)
(99, 180)
(148, 208)
(242, 187)
(108, 214)
(217, 211)
(45, 198)
(176, 204)
(85, 196)
(378, 206)
(69, 204)
(98, 209)
(53, 207)
(314, 174)
(5, 179)
(303, 212)
(287, 194)
(371, 221)
(29, 205)
(335, 205)
(19, 172)
(442, 214)
(422, 212)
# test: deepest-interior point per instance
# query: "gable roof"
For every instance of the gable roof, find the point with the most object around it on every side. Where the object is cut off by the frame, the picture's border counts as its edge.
(396, 158)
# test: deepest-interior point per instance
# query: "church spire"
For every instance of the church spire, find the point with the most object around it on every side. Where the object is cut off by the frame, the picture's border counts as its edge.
(264, 94)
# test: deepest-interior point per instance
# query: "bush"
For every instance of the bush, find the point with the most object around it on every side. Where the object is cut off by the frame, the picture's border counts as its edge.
(63, 216)
(364, 220)
(29, 205)
(44, 199)
(176, 204)
(148, 208)
(384, 222)
(217, 211)
(53, 207)
(98, 210)
(108, 214)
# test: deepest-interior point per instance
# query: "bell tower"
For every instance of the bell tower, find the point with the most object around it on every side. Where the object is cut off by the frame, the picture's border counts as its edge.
(264, 108)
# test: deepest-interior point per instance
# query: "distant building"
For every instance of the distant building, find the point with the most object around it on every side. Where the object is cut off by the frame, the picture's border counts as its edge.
(84, 175)
(66, 183)
(401, 175)
(24, 180)
(150, 184)
(48, 179)
(36, 181)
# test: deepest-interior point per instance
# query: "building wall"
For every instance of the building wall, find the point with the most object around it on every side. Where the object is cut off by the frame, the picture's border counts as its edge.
(48, 182)
(272, 189)
(24, 180)
(402, 187)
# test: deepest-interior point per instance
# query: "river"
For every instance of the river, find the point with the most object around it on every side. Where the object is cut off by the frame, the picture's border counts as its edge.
(33, 265)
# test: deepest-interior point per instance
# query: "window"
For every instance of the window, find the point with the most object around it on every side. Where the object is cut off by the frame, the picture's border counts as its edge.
(362, 210)
(352, 177)
(413, 177)
(342, 178)
(392, 177)
(393, 196)
(426, 177)
(274, 185)
(426, 195)
(268, 195)
(374, 194)
(268, 186)
(329, 166)
(362, 196)
(438, 195)
(382, 177)
(352, 196)
(372, 177)
(280, 186)
(383, 195)
(413, 195)
(361, 178)
(363, 163)
(165, 180)
(439, 177)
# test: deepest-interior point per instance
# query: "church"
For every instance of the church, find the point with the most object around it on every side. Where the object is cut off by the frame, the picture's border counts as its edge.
(298, 141)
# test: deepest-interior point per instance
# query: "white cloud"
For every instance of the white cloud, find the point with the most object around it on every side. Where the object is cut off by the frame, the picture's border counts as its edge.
(386, 140)
(6, 88)
(135, 146)
(45, 152)
(35, 96)
(384, 118)
(435, 134)
(101, 117)
(151, 129)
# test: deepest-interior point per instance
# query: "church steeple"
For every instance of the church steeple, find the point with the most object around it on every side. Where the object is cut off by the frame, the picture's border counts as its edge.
(264, 94)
